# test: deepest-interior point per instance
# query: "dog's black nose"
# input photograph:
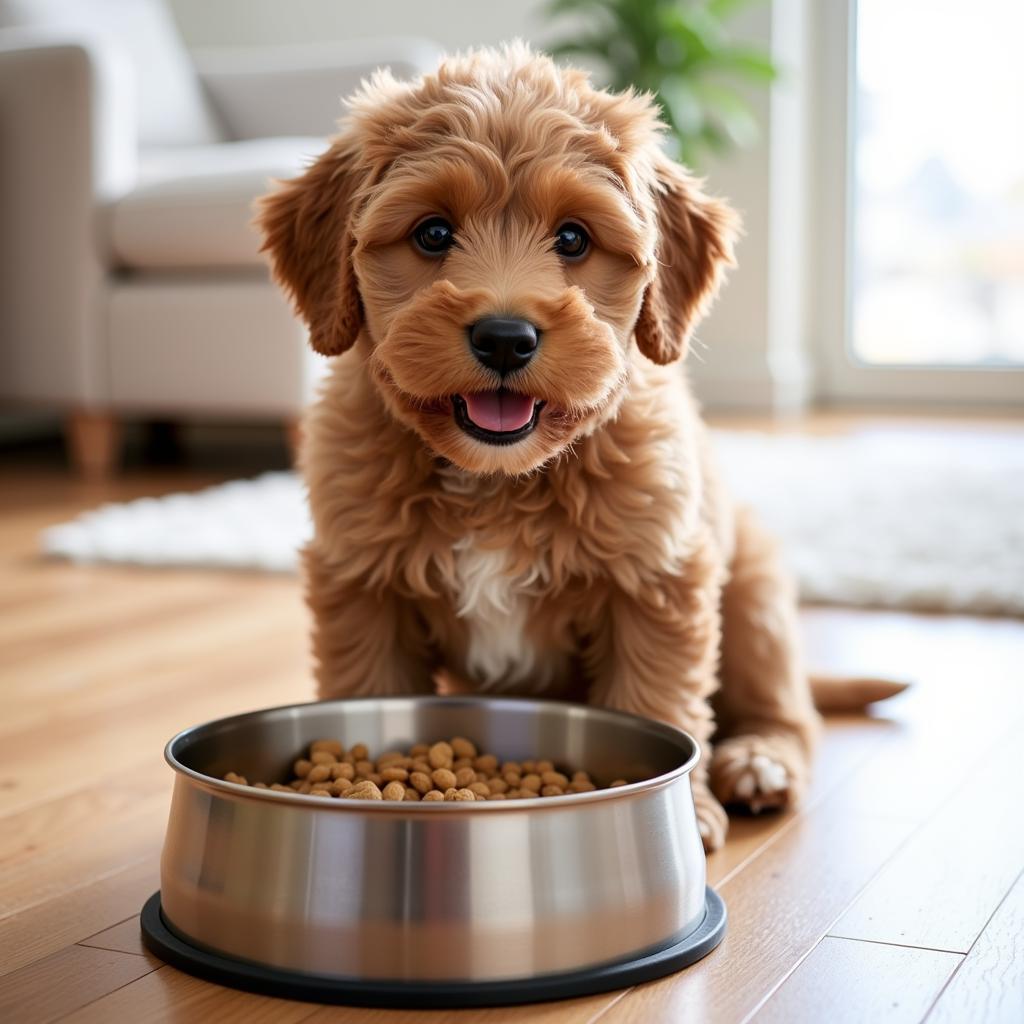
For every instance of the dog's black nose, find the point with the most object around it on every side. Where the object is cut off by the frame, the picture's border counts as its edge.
(503, 343)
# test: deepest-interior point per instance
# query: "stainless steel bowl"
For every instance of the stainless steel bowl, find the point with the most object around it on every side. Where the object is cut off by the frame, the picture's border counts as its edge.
(433, 892)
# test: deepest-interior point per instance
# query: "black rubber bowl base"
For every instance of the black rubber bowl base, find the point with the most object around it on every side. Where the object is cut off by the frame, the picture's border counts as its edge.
(319, 988)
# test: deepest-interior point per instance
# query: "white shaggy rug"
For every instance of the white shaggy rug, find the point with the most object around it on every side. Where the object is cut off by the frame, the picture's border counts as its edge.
(900, 521)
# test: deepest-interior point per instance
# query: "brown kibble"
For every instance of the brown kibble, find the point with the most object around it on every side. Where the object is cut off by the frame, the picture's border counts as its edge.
(532, 782)
(365, 791)
(581, 786)
(554, 779)
(617, 783)
(330, 746)
(440, 755)
(422, 782)
(442, 771)
(462, 747)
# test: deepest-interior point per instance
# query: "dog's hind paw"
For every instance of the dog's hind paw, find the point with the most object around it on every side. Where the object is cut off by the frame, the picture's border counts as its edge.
(759, 773)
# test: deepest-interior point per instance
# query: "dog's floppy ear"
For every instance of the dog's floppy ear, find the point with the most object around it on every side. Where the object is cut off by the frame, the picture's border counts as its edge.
(695, 241)
(305, 225)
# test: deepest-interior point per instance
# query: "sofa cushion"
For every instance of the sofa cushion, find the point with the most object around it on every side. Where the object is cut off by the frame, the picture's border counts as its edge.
(192, 207)
(171, 107)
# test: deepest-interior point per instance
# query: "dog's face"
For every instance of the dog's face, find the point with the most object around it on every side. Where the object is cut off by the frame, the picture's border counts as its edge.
(498, 234)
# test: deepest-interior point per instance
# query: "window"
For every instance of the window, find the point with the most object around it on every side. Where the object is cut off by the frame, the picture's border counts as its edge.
(920, 172)
(938, 202)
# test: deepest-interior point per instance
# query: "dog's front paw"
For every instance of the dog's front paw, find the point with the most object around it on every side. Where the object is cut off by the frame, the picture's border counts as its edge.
(758, 772)
(712, 821)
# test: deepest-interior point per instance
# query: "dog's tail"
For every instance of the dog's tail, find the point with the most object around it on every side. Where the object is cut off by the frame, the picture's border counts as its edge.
(838, 694)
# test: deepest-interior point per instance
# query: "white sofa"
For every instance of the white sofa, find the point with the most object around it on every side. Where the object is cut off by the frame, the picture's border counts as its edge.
(130, 278)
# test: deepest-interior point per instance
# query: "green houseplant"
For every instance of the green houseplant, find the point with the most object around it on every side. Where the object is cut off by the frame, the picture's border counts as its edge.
(679, 50)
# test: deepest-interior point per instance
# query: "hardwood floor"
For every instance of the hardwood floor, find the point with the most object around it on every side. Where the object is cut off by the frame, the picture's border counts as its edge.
(895, 893)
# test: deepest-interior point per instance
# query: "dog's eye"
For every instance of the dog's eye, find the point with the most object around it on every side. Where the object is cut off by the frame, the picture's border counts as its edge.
(571, 241)
(434, 236)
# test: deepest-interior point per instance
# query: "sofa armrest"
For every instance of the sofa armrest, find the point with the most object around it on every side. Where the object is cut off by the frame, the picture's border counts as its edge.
(67, 141)
(297, 90)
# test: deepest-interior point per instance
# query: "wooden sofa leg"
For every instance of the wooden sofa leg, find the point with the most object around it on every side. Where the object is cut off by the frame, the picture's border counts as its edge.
(293, 431)
(94, 443)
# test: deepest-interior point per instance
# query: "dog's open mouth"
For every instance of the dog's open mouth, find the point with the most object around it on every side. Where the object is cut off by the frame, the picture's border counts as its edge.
(496, 417)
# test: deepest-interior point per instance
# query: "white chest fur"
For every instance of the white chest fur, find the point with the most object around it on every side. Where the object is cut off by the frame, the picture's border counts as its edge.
(495, 606)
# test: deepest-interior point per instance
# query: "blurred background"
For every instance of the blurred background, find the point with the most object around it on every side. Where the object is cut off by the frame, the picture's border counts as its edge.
(869, 146)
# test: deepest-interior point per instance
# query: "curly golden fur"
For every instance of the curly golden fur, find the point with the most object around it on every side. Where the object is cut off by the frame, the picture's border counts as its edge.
(597, 556)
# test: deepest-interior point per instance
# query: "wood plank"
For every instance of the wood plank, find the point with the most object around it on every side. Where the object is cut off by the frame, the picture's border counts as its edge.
(847, 743)
(65, 981)
(935, 732)
(66, 863)
(168, 995)
(76, 914)
(65, 866)
(779, 906)
(941, 888)
(125, 937)
(849, 982)
(568, 1011)
(989, 986)
(87, 749)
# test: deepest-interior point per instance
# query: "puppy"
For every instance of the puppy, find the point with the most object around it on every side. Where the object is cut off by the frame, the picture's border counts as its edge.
(508, 476)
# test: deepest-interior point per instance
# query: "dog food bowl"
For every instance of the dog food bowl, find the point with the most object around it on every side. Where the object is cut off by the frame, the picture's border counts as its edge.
(433, 904)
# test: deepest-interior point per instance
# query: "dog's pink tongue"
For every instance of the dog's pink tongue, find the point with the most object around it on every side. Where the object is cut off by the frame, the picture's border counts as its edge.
(500, 411)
